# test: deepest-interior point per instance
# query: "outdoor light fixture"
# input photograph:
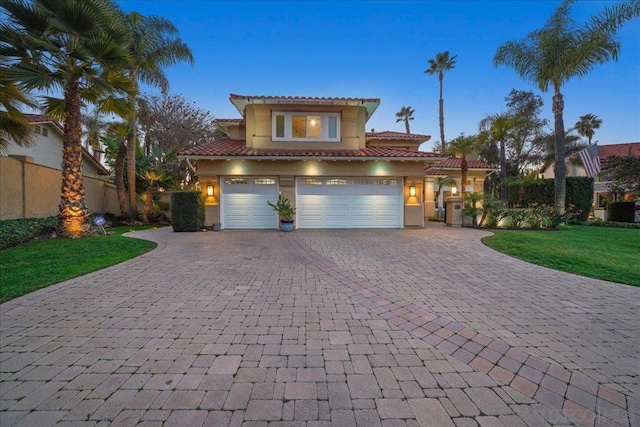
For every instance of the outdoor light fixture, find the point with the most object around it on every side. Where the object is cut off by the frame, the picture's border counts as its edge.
(454, 190)
(209, 190)
(412, 191)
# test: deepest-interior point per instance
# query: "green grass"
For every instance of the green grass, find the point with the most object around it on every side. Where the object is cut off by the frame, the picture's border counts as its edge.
(40, 263)
(603, 253)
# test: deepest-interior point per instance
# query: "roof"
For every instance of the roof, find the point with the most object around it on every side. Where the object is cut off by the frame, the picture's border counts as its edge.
(398, 136)
(241, 101)
(236, 148)
(622, 150)
(456, 163)
(229, 121)
(39, 119)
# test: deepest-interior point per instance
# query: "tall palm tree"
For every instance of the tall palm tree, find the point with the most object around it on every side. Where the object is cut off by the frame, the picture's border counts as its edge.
(442, 62)
(587, 125)
(404, 115)
(73, 46)
(115, 141)
(497, 127)
(560, 51)
(93, 127)
(14, 125)
(462, 146)
(154, 46)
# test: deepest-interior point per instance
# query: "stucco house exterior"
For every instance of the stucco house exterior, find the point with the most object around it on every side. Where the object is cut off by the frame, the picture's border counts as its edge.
(317, 153)
(46, 148)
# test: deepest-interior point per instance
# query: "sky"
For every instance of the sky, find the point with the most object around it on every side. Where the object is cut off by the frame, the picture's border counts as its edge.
(380, 49)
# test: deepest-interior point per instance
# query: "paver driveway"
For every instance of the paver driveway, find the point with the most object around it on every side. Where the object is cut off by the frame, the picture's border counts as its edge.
(352, 327)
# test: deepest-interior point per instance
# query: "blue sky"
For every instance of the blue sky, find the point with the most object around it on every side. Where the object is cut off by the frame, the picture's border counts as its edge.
(380, 49)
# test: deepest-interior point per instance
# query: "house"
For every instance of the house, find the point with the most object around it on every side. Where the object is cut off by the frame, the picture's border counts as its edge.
(602, 184)
(317, 153)
(46, 148)
(30, 176)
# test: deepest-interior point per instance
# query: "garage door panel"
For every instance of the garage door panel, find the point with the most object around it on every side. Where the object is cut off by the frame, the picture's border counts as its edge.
(349, 203)
(244, 203)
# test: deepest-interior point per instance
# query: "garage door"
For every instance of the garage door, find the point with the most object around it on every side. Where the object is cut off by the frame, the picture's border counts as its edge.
(244, 202)
(349, 203)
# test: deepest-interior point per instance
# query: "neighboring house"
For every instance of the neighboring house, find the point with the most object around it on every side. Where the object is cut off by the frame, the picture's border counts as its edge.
(46, 148)
(602, 185)
(316, 152)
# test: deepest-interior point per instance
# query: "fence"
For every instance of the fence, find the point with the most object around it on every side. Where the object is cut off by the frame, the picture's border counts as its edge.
(28, 190)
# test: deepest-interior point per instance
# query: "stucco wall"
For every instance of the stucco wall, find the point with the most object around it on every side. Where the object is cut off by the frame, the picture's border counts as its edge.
(29, 190)
(352, 127)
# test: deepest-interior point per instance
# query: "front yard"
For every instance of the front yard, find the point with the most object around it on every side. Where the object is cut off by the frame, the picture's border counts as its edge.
(38, 264)
(603, 253)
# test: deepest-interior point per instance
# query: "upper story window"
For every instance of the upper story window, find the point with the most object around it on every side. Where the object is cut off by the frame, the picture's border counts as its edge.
(306, 126)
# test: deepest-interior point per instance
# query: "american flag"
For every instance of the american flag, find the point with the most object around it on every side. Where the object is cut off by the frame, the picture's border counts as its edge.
(590, 160)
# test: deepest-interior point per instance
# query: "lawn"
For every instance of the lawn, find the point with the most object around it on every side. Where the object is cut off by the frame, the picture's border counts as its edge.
(603, 253)
(41, 263)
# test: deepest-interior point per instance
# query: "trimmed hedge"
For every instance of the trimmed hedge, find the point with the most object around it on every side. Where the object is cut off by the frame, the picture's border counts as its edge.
(621, 211)
(542, 192)
(16, 231)
(187, 211)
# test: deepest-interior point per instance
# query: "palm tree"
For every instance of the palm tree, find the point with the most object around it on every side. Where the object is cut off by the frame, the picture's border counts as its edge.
(73, 46)
(463, 146)
(14, 125)
(115, 141)
(497, 127)
(94, 126)
(560, 51)
(154, 45)
(442, 62)
(404, 115)
(587, 125)
(547, 155)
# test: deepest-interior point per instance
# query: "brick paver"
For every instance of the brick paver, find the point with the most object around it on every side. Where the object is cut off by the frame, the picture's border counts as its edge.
(320, 327)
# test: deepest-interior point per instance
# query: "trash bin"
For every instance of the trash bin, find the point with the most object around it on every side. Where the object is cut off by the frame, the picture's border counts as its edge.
(216, 226)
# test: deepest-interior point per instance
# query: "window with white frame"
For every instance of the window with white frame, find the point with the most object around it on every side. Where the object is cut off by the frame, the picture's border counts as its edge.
(289, 126)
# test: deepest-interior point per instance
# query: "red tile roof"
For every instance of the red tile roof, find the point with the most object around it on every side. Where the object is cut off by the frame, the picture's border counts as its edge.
(229, 120)
(387, 134)
(433, 172)
(37, 118)
(456, 163)
(622, 150)
(224, 148)
(241, 101)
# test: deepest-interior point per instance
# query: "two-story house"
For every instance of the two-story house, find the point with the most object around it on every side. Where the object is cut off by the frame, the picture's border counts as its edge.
(317, 153)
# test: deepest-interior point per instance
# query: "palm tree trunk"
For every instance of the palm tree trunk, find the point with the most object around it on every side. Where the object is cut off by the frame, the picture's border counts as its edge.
(503, 172)
(406, 124)
(560, 166)
(74, 216)
(119, 171)
(464, 169)
(131, 157)
(441, 114)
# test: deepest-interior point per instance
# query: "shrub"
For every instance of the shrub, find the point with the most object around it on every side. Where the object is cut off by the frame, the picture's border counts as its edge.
(621, 211)
(597, 222)
(579, 197)
(187, 211)
(16, 231)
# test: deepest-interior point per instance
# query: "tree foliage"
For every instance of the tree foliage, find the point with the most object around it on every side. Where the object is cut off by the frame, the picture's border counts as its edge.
(624, 172)
(172, 123)
(405, 115)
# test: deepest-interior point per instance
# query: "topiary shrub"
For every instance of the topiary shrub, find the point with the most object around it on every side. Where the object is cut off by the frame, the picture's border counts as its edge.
(187, 211)
(621, 211)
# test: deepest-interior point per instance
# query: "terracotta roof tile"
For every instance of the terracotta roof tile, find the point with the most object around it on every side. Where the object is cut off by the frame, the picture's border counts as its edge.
(622, 150)
(38, 118)
(301, 98)
(456, 163)
(387, 134)
(434, 172)
(237, 148)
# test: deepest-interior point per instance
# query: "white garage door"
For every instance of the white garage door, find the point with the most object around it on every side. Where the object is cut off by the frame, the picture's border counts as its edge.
(244, 202)
(349, 203)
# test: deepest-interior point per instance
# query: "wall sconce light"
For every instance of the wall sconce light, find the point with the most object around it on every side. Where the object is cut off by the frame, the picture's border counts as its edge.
(454, 190)
(209, 190)
(412, 191)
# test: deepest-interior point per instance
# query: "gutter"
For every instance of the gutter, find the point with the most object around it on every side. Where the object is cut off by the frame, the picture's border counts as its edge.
(394, 159)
